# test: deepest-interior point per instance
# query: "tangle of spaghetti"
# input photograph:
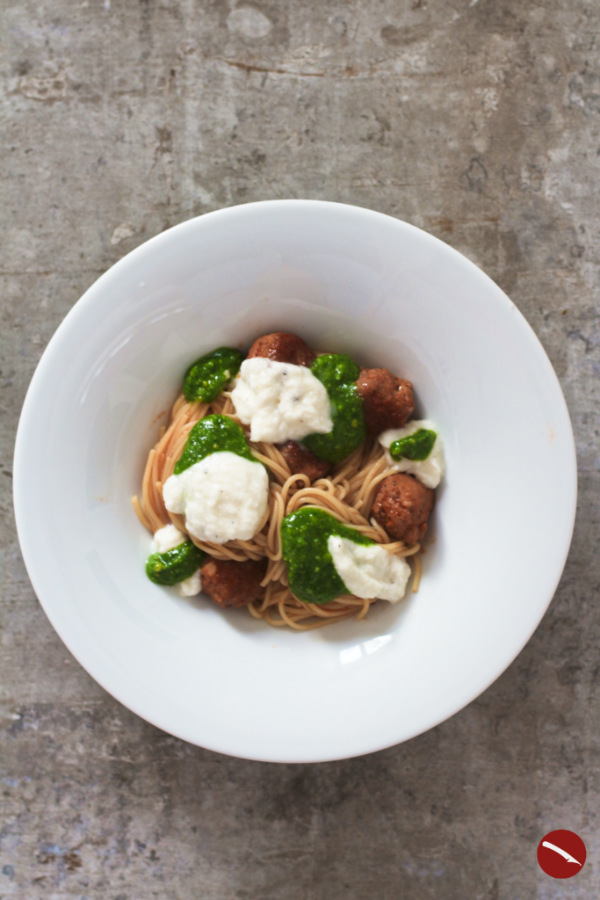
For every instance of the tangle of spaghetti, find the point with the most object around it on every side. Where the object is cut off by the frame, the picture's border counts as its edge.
(346, 493)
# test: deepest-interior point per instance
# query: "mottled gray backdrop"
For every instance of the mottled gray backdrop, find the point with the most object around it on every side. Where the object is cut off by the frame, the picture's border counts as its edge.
(478, 120)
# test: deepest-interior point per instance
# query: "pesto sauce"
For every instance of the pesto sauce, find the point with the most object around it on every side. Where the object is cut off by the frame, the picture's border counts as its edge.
(339, 373)
(213, 434)
(312, 575)
(206, 378)
(174, 565)
(416, 446)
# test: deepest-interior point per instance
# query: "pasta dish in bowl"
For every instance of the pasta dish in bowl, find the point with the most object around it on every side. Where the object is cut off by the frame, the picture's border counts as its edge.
(396, 347)
(283, 539)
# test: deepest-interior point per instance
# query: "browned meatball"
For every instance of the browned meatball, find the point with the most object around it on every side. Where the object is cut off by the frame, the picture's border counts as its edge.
(282, 347)
(402, 506)
(388, 402)
(229, 583)
(302, 462)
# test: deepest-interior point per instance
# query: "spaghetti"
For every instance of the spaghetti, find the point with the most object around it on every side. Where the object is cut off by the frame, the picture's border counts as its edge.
(347, 494)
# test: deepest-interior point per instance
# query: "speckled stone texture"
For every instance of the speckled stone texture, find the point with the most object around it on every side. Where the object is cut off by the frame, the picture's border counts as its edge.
(478, 120)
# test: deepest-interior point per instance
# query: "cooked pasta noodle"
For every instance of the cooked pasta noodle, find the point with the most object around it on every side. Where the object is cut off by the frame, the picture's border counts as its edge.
(347, 494)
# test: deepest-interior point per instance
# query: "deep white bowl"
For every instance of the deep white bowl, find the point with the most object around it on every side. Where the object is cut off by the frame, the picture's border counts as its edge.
(345, 279)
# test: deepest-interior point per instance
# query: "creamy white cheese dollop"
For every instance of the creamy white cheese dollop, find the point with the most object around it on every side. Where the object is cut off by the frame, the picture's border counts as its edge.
(223, 497)
(368, 570)
(191, 586)
(280, 401)
(429, 471)
(167, 538)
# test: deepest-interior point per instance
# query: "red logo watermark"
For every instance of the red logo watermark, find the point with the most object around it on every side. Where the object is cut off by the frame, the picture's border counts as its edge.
(561, 853)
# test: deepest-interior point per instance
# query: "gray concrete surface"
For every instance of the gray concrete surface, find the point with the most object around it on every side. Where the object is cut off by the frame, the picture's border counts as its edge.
(478, 120)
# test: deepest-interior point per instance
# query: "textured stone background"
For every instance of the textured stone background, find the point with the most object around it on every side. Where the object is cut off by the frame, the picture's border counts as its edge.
(478, 120)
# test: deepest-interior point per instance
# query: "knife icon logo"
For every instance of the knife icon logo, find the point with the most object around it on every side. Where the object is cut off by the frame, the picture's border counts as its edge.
(562, 852)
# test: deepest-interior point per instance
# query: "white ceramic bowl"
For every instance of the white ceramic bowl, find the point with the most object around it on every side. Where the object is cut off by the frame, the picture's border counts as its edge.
(349, 280)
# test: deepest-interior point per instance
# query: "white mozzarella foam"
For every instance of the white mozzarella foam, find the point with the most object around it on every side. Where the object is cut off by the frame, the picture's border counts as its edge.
(429, 471)
(223, 497)
(190, 586)
(280, 401)
(368, 570)
(167, 538)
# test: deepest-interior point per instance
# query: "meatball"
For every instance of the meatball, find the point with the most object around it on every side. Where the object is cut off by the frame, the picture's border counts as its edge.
(388, 402)
(229, 583)
(302, 462)
(402, 506)
(282, 347)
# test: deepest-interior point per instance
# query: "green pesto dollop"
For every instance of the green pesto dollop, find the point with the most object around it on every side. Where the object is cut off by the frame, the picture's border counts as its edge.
(206, 378)
(339, 373)
(174, 565)
(312, 575)
(416, 446)
(213, 434)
